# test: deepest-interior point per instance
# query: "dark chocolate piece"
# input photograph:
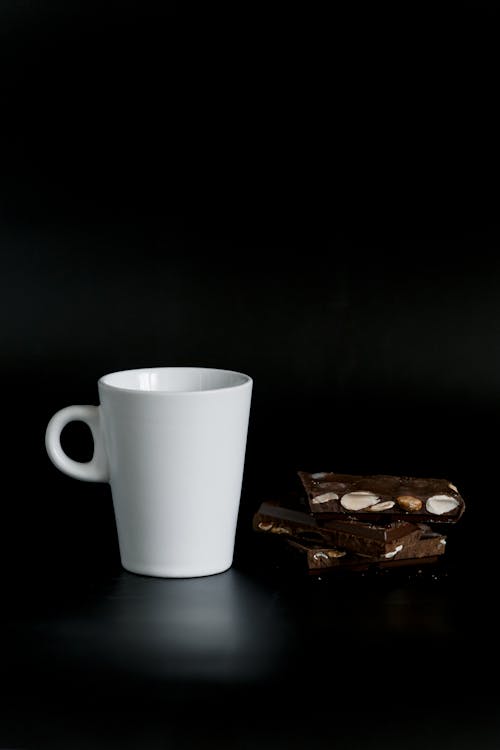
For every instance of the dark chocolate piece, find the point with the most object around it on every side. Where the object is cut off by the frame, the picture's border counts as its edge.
(324, 560)
(387, 531)
(363, 538)
(381, 498)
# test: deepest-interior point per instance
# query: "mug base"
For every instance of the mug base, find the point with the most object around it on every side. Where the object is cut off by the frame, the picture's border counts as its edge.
(158, 571)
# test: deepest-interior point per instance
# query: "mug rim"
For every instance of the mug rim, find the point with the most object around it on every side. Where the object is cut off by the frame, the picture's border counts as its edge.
(247, 381)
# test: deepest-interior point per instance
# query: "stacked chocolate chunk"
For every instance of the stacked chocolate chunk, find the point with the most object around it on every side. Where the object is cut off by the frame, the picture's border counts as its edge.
(349, 522)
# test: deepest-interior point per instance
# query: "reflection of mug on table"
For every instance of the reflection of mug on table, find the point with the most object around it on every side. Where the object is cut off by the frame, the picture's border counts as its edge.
(171, 441)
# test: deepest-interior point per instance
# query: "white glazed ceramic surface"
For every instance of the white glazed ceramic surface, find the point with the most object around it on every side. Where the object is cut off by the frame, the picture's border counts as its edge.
(171, 441)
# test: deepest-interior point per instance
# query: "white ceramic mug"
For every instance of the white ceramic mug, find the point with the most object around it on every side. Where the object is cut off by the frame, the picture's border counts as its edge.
(171, 442)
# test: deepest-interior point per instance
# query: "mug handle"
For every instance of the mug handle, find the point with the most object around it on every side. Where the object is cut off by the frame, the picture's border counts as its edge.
(95, 470)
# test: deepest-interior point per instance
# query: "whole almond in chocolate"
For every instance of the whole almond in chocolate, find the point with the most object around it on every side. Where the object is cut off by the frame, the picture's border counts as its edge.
(439, 504)
(409, 503)
(357, 500)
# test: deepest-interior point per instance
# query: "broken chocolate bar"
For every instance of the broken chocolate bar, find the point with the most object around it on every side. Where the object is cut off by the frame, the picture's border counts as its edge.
(321, 560)
(380, 498)
(427, 544)
(364, 538)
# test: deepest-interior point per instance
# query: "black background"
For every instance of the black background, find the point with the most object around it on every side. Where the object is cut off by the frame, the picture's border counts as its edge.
(310, 198)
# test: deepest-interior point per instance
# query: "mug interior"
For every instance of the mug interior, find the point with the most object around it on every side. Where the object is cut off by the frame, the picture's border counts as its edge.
(174, 379)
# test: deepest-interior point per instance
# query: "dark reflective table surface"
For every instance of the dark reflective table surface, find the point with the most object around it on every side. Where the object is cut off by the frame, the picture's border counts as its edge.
(259, 656)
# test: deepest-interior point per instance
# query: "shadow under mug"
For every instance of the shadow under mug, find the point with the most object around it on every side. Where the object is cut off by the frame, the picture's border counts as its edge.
(171, 442)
